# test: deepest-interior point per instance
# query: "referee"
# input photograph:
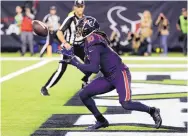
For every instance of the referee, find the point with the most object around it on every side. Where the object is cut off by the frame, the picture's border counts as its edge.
(66, 34)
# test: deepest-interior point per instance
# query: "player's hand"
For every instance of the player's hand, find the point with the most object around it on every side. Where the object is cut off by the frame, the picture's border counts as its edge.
(65, 61)
(67, 52)
(70, 60)
(67, 46)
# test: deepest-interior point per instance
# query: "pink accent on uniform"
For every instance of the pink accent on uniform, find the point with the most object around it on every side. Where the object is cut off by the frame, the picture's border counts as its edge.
(127, 89)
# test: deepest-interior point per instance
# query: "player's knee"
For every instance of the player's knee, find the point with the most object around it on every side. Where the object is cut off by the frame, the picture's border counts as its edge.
(83, 95)
(126, 105)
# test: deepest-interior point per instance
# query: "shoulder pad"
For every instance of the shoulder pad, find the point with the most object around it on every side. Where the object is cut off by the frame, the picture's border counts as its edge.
(94, 39)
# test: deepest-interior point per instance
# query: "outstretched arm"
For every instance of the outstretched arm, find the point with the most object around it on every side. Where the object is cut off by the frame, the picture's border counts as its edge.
(94, 58)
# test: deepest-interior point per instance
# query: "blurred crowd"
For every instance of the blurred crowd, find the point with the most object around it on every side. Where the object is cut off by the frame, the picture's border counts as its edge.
(23, 19)
(140, 41)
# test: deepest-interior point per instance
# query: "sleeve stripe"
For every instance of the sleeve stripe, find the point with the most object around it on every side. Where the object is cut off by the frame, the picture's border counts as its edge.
(45, 18)
(65, 21)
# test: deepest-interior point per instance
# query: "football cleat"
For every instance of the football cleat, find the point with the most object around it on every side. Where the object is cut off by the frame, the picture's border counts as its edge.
(157, 118)
(44, 91)
(98, 125)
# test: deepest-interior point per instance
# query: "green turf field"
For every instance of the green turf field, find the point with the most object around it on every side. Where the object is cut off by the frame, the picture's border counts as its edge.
(24, 110)
(9, 66)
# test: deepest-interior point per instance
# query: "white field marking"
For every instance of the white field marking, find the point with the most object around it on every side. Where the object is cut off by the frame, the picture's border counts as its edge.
(142, 88)
(24, 70)
(157, 65)
(123, 134)
(181, 75)
(174, 75)
(123, 58)
(129, 65)
(27, 58)
(156, 58)
(167, 107)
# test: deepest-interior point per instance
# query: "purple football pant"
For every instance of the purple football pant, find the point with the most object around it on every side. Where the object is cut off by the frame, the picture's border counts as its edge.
(122, 83)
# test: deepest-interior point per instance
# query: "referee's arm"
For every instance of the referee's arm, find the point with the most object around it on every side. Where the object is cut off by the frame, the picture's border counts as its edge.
(45, 19)
(66, 23)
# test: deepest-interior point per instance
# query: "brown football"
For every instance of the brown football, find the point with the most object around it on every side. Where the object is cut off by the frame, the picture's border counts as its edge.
(40, 28)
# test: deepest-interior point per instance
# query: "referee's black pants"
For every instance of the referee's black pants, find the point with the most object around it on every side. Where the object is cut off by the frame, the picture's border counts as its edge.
(78, 51)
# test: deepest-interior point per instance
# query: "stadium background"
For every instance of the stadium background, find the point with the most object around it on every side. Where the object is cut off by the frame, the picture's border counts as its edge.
(157, 81)
(172, 10)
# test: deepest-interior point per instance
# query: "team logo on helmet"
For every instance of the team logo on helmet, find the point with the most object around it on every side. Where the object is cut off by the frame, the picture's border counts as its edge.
(87, 25)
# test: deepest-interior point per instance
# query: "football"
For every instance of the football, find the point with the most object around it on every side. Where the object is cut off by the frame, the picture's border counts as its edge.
(39, 28)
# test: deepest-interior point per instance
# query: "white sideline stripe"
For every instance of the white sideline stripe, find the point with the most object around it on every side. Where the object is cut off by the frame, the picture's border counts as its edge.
(123, 134)
(123, 58)
(129, 65)
(157, 65)
(181, 75)
(24, 70)
(167, 107)
(27, 58)
(142, 88)
(155, 58)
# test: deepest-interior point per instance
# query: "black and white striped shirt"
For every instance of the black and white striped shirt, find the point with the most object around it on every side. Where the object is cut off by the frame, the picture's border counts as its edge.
(68, 28)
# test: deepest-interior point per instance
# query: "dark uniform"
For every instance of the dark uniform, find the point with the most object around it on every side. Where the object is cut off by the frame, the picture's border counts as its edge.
(103, 58)
(116, 76)
(100, 57)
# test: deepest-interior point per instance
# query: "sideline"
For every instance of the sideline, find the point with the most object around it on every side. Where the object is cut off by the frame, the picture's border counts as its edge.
(24, 70)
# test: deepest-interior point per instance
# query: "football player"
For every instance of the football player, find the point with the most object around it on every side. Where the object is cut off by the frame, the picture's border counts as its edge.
(100, 57)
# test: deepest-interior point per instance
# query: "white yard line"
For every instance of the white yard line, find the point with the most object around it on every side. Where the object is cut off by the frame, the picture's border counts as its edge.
(24, 70)
(175, 75)
(146, 88)
(129, 65)
(156, 58)
(157, 65)
(123, 58)
(27, 58)
(123, 134)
